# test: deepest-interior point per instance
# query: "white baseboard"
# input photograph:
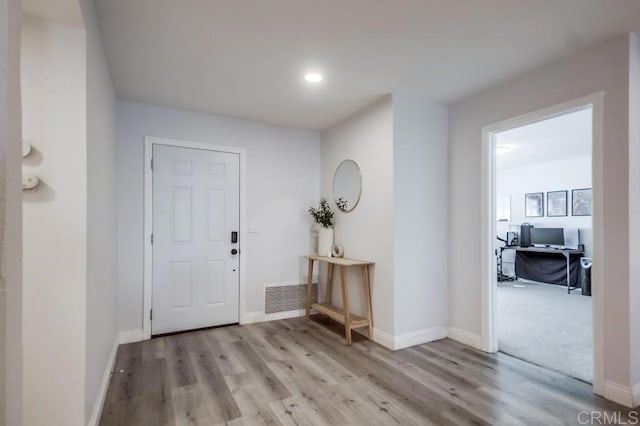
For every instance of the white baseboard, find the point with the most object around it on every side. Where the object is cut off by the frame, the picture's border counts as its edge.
(259, 316)
(419, 337)
(130, 336)
(406, 340)
(385, 339)
(382, 338)
(98, 404)
(623, 395)
(465, 337)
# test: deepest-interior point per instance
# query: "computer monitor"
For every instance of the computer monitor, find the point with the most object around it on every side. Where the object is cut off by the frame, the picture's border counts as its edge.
(547, 236)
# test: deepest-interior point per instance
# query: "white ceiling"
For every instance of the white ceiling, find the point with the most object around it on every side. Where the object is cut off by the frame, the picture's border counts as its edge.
(246, 58)
(64, 11)
(558, 138)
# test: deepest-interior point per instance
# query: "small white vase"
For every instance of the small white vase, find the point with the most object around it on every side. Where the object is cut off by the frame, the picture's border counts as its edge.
(325, 241)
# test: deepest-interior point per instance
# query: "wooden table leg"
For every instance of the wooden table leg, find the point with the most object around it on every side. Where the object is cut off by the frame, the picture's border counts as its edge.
(309, 285)
(366, 287)
(329, 289)
(345, 304)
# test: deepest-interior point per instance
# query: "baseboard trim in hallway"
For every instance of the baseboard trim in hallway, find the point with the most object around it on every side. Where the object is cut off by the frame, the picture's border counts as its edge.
(465, 337)
(623, 395)
(98, 404)
(130, 336)
(406, 340)
(260, 316)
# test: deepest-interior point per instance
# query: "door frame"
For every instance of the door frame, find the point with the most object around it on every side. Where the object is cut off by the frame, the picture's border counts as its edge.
(489, 336)
(149, 142)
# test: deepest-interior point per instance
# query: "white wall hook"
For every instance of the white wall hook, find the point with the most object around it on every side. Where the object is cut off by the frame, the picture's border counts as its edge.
(29, 182)
(26, 149)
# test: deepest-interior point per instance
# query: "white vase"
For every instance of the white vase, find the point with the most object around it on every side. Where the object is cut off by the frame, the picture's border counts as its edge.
(325, 241)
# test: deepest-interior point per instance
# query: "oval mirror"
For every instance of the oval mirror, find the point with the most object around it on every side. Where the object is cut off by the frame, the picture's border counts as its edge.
(347, 185)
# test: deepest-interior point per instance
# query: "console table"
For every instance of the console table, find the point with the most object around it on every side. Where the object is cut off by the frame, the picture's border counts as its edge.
(342, 315)
(530, 263)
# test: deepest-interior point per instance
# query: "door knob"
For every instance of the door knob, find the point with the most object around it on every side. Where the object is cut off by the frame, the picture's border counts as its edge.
(234, 251)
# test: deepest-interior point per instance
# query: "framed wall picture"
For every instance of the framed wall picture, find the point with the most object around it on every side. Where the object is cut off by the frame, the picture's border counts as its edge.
(557, 203)
(581, 202)
(534, 204)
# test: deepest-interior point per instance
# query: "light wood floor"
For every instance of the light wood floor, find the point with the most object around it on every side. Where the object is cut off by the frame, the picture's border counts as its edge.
(300, 372)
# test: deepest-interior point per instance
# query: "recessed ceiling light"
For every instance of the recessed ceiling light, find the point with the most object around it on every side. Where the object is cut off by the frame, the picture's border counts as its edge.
(313, 77)
(502, 149)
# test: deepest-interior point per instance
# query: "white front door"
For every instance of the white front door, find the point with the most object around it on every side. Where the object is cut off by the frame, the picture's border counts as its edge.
(196, 209)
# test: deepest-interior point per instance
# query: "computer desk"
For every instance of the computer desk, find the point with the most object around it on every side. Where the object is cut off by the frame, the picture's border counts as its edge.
(566, 252)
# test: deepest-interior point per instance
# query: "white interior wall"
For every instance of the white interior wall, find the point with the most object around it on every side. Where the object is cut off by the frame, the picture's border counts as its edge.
(102, 215)
(283, 180)
(419, 216)
(367, 231)
(559, 175)
(54, 222)
(603, 67)
(10, 216)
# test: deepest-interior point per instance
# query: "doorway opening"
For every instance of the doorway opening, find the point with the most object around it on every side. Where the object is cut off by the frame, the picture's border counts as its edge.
(194, 217)
(541, 189)
(545, 242)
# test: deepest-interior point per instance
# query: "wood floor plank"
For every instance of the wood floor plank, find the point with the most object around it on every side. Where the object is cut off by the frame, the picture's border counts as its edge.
(221, 404)
(258, 368)
(189, 405)
(316, 407)
(449, 386)
(520, 408)
(229, 334)
(507, 374)
(429, 404)
(221, 350)
(122, 403)
(121, 413)
(153, 349)
(309, 384)
(506, 381)
(259, 341)
(180, 370)
(253, 400)
(341, 353)
(156, 406)
(387, 411)
(293, 353)
(289, 412)
(404, 389)
(358, 407)
(128, 368)
(299, 372)
(239, 422)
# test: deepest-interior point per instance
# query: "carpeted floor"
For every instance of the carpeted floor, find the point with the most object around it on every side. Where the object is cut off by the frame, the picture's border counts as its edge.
(544, 325)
